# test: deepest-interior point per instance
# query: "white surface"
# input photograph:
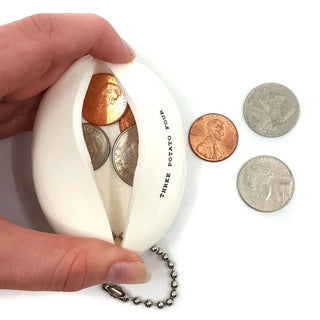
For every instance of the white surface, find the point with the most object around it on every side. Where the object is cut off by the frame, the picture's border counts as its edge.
(234, 262)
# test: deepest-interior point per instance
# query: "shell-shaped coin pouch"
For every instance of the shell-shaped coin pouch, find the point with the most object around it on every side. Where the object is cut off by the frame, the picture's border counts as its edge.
(79, 201)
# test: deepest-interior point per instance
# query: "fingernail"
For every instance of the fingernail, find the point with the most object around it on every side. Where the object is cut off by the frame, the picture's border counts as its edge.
(128, 272)
(129, 49)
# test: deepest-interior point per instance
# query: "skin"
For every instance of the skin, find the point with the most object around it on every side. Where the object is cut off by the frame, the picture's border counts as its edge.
(34, 52)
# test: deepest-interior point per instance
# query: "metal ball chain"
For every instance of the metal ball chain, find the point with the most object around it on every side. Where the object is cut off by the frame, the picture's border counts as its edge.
(117, 292)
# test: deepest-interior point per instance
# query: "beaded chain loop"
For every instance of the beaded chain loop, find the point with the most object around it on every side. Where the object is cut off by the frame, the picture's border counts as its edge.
(117, 292)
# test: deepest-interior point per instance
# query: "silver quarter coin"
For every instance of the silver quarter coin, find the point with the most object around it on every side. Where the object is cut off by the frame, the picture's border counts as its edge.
(125, 154)
(97, 144)
(265, 183)
(271, 110)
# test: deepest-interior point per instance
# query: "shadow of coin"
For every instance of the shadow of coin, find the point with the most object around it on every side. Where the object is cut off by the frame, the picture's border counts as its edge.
(32, 216)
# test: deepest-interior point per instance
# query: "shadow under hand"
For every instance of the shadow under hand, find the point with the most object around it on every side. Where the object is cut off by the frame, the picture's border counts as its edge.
(32, 216)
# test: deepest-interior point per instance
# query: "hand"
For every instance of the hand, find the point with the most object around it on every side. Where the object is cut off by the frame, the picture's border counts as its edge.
(34, 52)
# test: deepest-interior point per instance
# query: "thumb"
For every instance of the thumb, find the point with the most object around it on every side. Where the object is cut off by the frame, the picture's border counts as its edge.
(32, 260)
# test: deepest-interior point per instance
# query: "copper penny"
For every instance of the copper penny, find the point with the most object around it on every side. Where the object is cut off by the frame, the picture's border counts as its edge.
(213, 137)
(127, 120)
(104, 102)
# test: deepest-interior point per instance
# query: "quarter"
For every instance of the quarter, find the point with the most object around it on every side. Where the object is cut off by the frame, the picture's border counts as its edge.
(265, 183)
(271, 110)
(97, 144)
(125, 154)
(213, 137)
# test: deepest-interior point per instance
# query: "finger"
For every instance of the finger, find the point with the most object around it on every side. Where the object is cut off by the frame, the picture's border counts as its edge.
(18, 116)
(32, 260)
(37, 50)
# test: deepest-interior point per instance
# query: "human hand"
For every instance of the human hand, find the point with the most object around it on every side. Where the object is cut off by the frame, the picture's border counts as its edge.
(34, 52)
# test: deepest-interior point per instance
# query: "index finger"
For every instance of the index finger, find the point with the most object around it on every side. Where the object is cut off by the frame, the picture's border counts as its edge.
(36, 50)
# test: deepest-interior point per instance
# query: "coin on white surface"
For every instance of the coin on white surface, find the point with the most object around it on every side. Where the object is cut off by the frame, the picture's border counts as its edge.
(271, 110)
(265, 183)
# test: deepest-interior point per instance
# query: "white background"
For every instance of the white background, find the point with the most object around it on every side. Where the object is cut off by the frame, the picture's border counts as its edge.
(233, 262)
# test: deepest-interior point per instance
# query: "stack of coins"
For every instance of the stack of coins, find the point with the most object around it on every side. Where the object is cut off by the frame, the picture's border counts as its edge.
(265, 183)
(104, 104)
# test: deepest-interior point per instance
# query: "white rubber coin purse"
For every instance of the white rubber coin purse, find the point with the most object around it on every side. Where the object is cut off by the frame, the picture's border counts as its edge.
(79, 201)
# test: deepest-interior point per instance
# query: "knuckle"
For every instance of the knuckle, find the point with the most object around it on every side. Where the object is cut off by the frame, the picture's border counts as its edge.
(40, 32)
(95, 19)
(38, 28)
(76, 276)
(71, 272)
(42, 23)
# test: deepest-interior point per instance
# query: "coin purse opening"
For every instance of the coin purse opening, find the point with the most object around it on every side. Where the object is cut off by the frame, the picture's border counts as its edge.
(80, 201)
